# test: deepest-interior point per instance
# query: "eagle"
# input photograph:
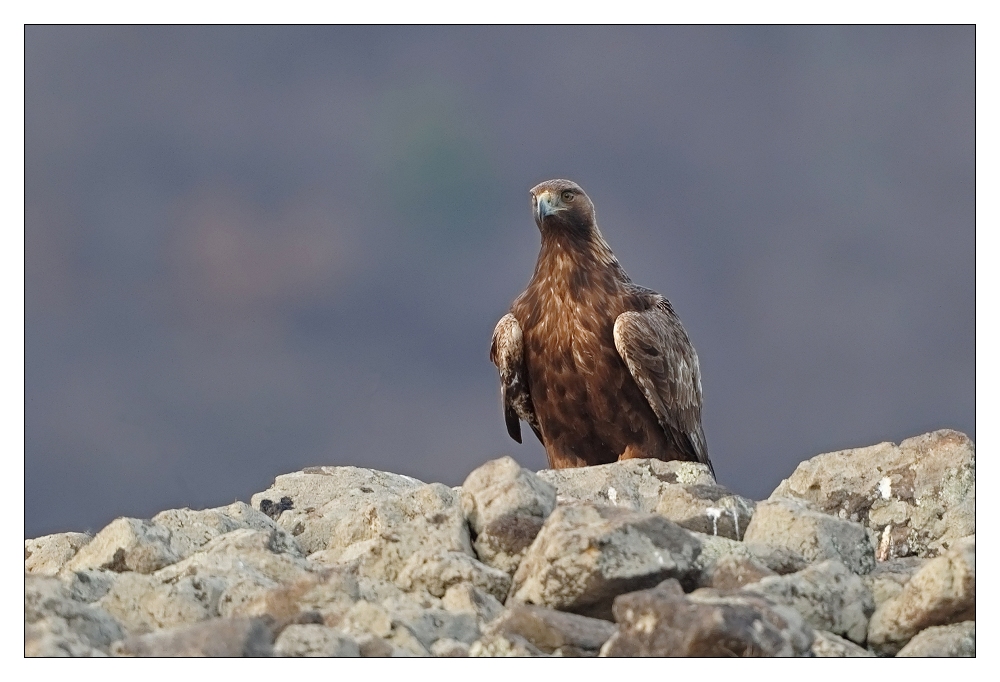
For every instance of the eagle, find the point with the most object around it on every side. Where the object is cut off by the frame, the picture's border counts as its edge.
(600, 368)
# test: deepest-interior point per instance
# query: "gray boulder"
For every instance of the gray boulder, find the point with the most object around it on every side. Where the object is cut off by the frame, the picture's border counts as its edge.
(827, 595)
(551, 632)
(915, 498)
(684, 492)
(48, 554)
(57, 625)
(336, 506)
(663, 621)
(586, 555)
(939, 641)
(941, 593)
(314, 640)
(829, 645)
(506, 506)
(798, 528)
(126, 544)
(888, 578)
(219, 637)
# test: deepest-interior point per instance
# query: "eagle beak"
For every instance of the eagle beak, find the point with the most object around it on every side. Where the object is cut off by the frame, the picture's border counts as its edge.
(546, 206)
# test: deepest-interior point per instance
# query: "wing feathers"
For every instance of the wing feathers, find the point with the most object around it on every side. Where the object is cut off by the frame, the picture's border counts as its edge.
(663, 363)
(507, 353)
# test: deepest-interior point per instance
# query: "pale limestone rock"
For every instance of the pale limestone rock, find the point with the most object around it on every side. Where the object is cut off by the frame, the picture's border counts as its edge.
(795, 526)
(333, 507)
(956, 640)
(49, 553)
(90, 584)
(314, 640)
(467, 598)
(552, 632)
(505, 505)
(941, 593)
(57, 625)
(829, 645)
(635, 484)
(143, 603)
(190, 530)
(219, 637)
(435, 572)
(504, 646)
(827, 595)
(586, 555)
(915, 498)
(126, 545)
(732, 572)
(664, 621)
(888, 578)
(449, 648)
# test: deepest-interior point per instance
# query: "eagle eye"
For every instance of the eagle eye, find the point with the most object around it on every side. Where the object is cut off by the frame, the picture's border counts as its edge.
(568, 196)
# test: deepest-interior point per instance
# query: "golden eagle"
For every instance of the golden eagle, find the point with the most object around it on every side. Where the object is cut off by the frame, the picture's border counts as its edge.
(601, 369)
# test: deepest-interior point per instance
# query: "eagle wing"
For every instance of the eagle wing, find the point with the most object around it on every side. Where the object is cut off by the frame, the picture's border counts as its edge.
(507, 353)
(663, 363)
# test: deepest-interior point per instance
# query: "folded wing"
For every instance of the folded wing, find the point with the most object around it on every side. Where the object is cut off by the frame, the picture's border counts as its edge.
(507, 353)
(663, 363)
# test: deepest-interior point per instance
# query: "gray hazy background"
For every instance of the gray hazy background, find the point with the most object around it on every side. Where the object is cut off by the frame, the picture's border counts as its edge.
(250, 250)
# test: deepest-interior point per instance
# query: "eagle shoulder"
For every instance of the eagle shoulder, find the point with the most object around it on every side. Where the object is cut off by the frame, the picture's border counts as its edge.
(507, 353)
(664, 365)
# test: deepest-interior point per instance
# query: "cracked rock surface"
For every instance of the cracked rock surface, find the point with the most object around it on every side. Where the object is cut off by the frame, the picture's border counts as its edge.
(858, 553)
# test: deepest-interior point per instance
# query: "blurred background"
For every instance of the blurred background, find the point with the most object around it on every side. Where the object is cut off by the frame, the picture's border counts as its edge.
(249, 250)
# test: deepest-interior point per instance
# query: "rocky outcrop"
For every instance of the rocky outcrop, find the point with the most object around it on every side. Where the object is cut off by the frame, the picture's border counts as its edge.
(586, 555)
(664, 621)
(859, 553)
(915, 498)
(941, 593)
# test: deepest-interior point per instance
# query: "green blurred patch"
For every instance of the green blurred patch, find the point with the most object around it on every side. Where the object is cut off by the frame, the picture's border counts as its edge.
(437, 163)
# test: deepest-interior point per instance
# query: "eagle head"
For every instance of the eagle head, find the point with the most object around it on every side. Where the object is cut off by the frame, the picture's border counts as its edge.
(562, 205)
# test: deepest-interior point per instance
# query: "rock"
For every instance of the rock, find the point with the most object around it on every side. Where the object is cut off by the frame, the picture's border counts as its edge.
(940, 641)
(126, 545)
(335, 506)
(422, 543)
(941, 593)
(888, 578)
(827, 595)
(366, 618)
(506, 506)
(89, 585)
(436, 572)
(191, 530)
(226, 578)
(829, 645)
(371, 646)
(916, 498)
(143, 603)
(635, 484)
(586, 555)
(428, 625)
(663, 621)
(314, 640)
(219, 637)
(57, 625)
(794, 526)
(450, 648)
(319, 597)
(504, 646)
(552, 632)
(732, 572)
(684, 492)
(49, 553)
(466, 598)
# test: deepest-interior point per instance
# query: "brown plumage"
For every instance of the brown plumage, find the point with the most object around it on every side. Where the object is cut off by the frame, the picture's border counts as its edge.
(600, 368)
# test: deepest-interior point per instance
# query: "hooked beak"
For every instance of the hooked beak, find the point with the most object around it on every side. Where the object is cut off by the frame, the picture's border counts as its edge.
(546, 205)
